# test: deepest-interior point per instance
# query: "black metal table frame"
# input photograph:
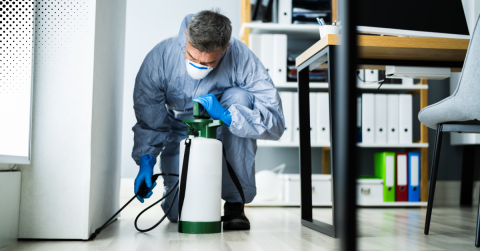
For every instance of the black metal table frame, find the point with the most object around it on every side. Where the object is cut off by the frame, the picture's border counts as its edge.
(328, 54)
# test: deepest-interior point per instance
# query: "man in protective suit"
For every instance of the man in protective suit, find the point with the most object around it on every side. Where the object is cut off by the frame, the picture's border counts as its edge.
(204, 64)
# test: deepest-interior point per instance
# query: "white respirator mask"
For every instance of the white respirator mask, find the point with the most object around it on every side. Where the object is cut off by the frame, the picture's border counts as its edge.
(197, 71)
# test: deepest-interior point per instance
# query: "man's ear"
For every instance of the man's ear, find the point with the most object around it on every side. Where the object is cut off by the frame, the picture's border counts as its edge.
(186, 32)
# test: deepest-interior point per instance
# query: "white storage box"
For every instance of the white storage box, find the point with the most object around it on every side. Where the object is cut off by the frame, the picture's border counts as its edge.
(9, 206)
(369, 191)
(321, 188)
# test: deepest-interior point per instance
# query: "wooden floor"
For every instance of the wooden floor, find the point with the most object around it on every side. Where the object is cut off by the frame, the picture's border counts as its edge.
(452, 228)
(279, 229)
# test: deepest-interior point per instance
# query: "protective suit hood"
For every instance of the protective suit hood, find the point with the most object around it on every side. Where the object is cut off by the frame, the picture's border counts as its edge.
(182, 37)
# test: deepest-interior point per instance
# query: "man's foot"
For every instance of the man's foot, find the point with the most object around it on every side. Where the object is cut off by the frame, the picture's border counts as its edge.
(239, 223)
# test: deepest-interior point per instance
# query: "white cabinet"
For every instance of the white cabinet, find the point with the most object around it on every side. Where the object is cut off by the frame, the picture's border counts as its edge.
(10, 206)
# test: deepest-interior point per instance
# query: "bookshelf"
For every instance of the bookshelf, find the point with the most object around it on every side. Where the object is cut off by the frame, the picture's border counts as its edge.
(397, 88)
(311, 31)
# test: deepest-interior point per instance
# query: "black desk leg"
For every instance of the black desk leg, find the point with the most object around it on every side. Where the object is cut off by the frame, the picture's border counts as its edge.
(305, 149)
(466, 186)
(332, 84)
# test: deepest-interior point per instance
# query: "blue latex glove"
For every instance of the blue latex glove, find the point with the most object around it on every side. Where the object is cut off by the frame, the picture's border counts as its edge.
(214, 108)
(145, 174)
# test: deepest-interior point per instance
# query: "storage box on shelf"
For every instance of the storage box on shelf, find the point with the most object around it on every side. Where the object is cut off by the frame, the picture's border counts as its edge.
(369, 193)
(290, 192)
(321, 189)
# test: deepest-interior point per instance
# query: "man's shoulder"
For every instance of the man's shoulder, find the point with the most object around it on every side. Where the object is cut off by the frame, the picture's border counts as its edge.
(237, 44)
(238, 48)
(165, 44)
(162, 49)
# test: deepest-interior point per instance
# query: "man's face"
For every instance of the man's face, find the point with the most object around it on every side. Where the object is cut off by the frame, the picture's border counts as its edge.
(208, 59)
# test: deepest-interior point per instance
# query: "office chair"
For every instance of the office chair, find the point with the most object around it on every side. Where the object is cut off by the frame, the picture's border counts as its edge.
(458, 113)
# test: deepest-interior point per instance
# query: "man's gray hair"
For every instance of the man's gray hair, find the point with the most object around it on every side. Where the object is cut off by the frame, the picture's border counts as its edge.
(209, 31)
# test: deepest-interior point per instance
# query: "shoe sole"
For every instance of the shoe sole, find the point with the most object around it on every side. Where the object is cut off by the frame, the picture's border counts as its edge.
(236, 225)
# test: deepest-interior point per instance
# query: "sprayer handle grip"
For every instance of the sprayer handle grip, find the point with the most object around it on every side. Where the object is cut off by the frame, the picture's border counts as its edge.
(144, 190)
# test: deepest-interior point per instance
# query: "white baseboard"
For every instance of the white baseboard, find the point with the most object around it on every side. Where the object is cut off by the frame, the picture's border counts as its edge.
(447, 193)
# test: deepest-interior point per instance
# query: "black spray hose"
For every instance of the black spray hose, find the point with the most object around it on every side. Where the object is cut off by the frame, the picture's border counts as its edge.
(158, 201)
(142, 191)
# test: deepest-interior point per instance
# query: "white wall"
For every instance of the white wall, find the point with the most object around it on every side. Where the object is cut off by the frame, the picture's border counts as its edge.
(107, 111)
(72, 183)
(55, 184)
(148, 23)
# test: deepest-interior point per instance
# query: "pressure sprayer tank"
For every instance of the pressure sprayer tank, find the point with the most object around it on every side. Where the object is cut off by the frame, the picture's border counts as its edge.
(201, 212)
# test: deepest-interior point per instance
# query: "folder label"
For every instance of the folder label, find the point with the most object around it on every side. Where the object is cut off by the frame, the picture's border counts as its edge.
(359, 118)
(313, 117)
(401, 189)
(368, 106)
(402, 170)
(405, 118)
(380, 118)
(323, 119)
(392, 118)
(385, 169)
(414, 171)
(279, 64)
(389, 172)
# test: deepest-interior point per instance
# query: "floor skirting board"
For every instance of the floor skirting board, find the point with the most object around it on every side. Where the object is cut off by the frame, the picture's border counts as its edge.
(447, 193)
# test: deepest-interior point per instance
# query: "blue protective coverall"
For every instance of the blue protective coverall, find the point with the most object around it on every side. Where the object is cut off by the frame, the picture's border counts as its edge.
(163, 98)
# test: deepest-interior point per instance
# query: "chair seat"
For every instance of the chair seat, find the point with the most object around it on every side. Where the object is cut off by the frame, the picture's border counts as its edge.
(449, 110)
(471, 126)
(464, 103)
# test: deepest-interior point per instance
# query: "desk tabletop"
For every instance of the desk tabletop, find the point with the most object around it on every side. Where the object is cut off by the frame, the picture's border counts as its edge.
(398, 48)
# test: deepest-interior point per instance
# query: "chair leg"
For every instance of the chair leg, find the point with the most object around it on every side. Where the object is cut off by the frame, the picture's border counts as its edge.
(433, 175)
(477, 236)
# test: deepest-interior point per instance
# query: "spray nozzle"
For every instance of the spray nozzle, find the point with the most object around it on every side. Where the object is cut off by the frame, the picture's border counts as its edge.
(202, 125)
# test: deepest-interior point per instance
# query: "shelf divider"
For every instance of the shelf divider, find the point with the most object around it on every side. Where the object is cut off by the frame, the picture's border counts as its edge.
(327, 144)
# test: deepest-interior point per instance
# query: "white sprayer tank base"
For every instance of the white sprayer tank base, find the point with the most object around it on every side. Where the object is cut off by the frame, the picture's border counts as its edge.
(201, 211)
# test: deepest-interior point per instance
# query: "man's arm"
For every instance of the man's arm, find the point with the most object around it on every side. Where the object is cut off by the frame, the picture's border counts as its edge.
(153, 125)
(266, 120)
